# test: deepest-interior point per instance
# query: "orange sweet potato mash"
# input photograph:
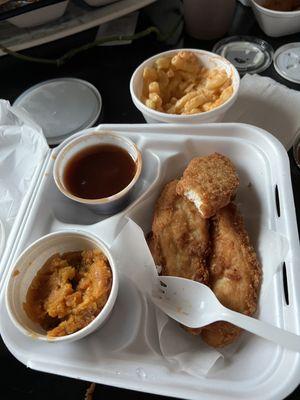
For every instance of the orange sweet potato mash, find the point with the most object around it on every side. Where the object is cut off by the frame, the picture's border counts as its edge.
(69, 291)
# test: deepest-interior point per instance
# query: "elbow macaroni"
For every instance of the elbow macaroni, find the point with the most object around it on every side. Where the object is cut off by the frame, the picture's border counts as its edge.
(181, 85)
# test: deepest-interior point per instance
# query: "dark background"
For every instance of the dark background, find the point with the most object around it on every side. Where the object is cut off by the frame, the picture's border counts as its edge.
(109, 69)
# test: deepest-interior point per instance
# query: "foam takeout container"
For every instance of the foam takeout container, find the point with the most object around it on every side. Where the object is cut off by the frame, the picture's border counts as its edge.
(129, 357)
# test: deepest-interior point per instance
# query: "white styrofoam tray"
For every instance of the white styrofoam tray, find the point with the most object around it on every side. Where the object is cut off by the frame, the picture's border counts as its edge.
(125, 352)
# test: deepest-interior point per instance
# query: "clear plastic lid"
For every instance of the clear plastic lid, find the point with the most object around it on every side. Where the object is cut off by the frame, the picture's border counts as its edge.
(61, 106)
(287, 61)
(248, 54)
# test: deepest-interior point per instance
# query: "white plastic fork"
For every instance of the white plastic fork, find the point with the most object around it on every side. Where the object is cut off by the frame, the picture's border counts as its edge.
(195, 305)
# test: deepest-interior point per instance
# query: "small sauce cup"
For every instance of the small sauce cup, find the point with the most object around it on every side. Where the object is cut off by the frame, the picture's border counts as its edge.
(105, 205)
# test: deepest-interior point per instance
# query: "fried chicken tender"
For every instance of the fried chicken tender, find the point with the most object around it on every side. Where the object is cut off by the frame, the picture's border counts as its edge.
(180, 237)
(235, 274)
(209, 183)
(179, 242)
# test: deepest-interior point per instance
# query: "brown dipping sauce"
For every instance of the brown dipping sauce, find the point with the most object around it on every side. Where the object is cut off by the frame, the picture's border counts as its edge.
(282, 5)
(99, 171)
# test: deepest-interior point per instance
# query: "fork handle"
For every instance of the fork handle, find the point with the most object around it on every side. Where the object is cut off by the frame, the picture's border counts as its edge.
(267, 331)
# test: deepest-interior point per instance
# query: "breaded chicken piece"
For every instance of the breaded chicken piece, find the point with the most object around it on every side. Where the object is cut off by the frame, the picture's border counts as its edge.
(209, 183)
(180, 237)
(235, 274)
(179, 241)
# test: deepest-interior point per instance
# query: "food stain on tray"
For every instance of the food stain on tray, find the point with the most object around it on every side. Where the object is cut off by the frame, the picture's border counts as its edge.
(16, 273)
(69, 291)
(99, 171)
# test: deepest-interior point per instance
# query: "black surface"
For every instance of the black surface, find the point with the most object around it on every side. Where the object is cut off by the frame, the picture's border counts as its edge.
(109, 69)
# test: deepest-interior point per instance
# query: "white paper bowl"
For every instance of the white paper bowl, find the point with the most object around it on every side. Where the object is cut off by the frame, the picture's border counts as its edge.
(107, 205)
(28, 264)
(209, 60)
(276, 23)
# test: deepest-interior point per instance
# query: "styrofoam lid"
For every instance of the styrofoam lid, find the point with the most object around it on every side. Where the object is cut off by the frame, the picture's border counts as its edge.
(61, 106)
(248, 54)
(287, 61)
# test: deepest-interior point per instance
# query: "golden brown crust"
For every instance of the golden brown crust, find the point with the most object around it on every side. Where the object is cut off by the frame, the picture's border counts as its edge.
(213, 179)
(220, 334)
(179, 241)
(180, 237)
(235, 274)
